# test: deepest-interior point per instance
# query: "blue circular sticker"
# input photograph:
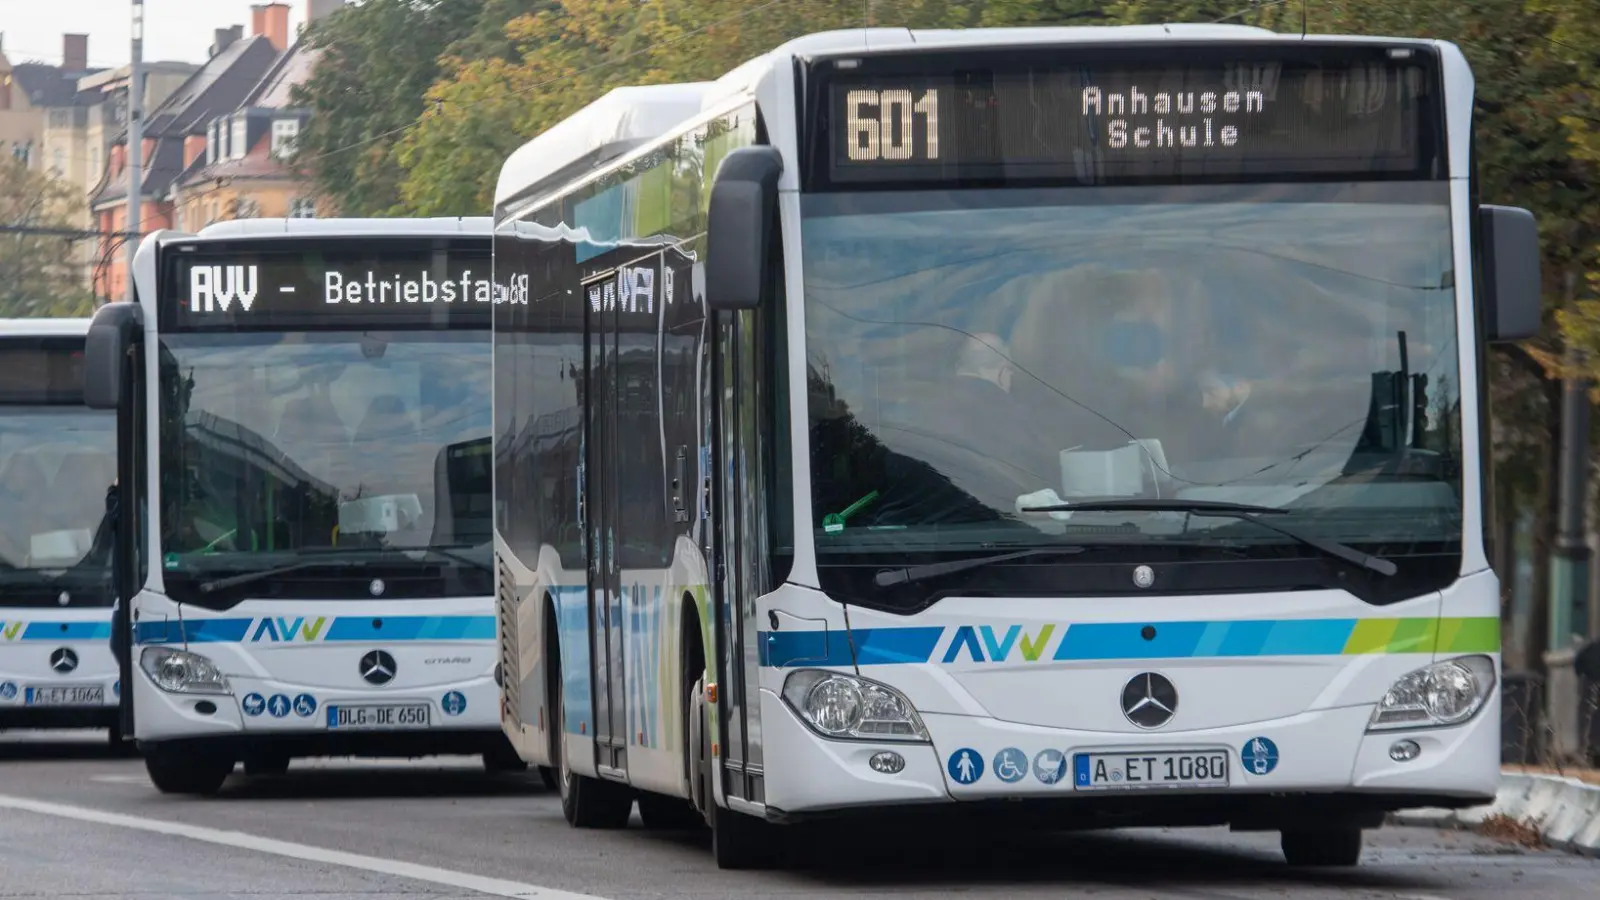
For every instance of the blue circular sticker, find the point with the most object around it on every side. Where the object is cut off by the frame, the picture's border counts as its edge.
(278, 706)
(254, 704)
(965, 765)
(454, 703)
(1050, 766)
(1010, 765)
(305, 706)
(1259, 755)
(116, 688)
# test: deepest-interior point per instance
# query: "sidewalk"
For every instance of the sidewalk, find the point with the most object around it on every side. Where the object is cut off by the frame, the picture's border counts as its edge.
(1535, 807)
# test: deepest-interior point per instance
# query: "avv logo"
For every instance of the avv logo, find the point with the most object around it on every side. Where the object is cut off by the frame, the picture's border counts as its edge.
(216, 288)
(282, 629)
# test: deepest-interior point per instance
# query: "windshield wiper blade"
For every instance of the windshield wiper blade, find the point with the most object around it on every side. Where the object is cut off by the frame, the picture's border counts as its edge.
(1246, 511)
(460, 558)
(933, 570)
(232, 581)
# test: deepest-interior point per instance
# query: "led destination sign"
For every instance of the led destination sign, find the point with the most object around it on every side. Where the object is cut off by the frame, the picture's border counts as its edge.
(41, 370)
(1349, 113)
(382, 283)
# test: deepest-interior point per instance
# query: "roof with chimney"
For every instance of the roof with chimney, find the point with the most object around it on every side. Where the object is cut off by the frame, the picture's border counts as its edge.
(218, 87)
(46, 85)
(273, 92)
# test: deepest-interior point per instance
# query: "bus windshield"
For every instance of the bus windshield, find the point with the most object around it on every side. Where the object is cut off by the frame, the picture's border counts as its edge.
(276, 446)
(56, 464)
(976, 354)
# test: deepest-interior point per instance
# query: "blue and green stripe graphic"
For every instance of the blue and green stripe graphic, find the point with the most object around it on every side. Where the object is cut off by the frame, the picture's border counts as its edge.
(1105, 641)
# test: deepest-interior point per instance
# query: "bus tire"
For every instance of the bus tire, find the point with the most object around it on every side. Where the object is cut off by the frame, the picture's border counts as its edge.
(738, 841)
(186, 770)
(587, 802)
(1322, 846)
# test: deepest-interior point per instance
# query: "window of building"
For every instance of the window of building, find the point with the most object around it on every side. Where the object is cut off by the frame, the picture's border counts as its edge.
(60, 118)
(236, 141)
(58, 162)
(284, 133)
(213, 141)
(302, 208)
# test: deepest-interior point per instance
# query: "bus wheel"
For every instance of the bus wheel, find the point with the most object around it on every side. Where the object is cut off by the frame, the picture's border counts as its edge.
(186, 770)
(660, 812)
(588, 802)
(1322, 847)
(738, 841)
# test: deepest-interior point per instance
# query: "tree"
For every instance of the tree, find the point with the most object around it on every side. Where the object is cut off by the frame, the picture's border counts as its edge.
(40, 274)
(377, 61)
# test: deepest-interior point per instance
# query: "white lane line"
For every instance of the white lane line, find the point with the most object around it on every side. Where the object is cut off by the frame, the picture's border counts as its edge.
(492, 886)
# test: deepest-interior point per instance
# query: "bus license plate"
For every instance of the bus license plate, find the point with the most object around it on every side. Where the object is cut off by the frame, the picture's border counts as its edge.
(66, 695)
(1164, 769)
(380, 716)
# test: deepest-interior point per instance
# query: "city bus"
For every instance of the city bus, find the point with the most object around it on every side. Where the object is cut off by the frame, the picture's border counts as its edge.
(58, 459)
(307, 408)
(1081, 423)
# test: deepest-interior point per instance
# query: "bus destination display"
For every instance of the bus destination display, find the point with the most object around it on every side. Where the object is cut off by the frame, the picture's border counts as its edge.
(41, 370)
(1095, 123)
(234, 286)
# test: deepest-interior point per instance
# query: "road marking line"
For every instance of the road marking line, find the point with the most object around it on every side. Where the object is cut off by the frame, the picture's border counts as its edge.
(304, 852)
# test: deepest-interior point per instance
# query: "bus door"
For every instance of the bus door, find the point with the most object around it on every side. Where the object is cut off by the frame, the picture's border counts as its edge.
(601, 496)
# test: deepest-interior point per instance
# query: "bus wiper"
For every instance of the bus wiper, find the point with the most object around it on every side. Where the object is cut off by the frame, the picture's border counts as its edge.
(934, 570)
(459, 557)
(1246, 511)
(232, 581)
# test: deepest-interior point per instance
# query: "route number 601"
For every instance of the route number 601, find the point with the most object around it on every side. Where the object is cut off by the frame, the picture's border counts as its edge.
(881, 124)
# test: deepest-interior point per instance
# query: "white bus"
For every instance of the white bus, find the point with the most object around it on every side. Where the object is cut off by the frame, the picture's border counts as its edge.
(58, 459)
(1086, 422)
(310, 409)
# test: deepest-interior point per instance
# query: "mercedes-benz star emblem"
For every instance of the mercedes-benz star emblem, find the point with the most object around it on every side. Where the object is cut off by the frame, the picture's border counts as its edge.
(64, 660)
(1144, 576)
(377, 667)
(376, 587)
(1149, 700)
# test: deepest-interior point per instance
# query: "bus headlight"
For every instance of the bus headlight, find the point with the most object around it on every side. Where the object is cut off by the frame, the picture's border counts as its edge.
(837, 705)
(182, 672)
(1445, 693)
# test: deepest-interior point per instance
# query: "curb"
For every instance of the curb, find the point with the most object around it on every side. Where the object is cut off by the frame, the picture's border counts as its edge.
(1565, 811)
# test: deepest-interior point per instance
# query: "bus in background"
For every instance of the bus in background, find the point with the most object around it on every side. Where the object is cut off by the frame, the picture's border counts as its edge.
(309, 404)
(58, 459)
(1087, 421)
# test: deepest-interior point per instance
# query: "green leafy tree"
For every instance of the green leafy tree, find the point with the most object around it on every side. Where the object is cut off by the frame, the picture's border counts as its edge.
(41, 274)
(377, 61)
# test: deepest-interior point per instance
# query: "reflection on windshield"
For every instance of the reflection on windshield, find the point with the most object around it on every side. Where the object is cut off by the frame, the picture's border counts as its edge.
(971, 354)
(325, 441)
(55, 468)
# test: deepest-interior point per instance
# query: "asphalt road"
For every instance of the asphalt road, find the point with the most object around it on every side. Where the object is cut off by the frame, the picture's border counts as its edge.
(76, 822)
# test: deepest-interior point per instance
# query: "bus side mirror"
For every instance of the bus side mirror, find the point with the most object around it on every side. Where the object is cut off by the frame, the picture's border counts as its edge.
(105, 353)
(739, 222)
(1512, 284)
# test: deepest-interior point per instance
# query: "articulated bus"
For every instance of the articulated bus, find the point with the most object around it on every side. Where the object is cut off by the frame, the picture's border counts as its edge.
(58, 460)
(1081, 422)
(305, 409)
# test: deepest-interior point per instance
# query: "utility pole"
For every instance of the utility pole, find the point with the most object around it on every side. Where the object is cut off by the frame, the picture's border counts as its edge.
(135, 138)
(1569, 562)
